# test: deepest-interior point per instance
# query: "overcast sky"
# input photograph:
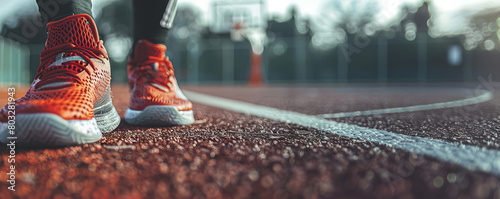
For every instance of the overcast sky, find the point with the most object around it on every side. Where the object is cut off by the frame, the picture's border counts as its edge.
(447, 12)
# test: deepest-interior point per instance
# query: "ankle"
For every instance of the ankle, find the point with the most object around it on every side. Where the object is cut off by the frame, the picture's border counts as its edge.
(54, 10)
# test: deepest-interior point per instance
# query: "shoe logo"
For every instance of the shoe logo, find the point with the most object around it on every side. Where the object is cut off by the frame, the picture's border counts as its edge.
(61, 59)
(34, 83)
(155, 66)
(179, 92)
(160, 87)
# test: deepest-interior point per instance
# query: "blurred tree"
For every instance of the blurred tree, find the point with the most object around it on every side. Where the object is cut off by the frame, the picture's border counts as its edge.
(344, 18)
(115, 26)
(354, 15)
(422, 18)
(484, 30)
(187, 23)
(187, 31)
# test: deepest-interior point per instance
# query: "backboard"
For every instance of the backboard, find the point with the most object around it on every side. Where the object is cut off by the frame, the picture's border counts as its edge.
(241, 14)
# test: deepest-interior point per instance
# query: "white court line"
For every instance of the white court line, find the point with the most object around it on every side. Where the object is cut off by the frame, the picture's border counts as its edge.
(470, 157)
(484, 97)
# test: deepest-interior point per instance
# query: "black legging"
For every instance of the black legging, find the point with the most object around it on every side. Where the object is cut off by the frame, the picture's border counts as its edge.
(152, 19)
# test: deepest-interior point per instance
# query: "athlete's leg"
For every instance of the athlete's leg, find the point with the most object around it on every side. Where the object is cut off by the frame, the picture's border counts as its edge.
(153, 20)
(69, 101)
(53, 10)
(156, 99)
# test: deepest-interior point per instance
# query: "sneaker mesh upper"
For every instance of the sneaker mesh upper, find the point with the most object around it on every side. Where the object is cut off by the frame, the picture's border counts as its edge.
(75, 31)
(152, 85)
(69, 99)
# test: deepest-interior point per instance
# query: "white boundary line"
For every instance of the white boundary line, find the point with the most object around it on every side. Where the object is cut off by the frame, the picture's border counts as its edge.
(484, 97)
(470, 157)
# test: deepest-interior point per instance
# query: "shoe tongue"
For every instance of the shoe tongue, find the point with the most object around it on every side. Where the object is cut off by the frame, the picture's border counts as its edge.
(144, 49)
(79, 30)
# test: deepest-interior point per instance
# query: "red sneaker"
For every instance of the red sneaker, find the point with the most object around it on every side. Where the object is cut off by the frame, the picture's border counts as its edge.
(156, 99)
(69, 101)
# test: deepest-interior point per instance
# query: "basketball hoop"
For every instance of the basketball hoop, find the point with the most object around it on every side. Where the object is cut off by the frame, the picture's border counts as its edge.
(236, 32)
(257, 38)
(243, 20)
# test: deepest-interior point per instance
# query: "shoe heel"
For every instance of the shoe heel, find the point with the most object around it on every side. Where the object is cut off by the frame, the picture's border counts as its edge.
(105, 113)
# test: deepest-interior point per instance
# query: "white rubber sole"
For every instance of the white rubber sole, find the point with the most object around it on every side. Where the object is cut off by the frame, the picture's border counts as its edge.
(46, 129)
(159, 115)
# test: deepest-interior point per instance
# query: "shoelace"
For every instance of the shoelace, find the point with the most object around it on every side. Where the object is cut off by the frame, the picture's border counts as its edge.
(66, 72)
(147, 72)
